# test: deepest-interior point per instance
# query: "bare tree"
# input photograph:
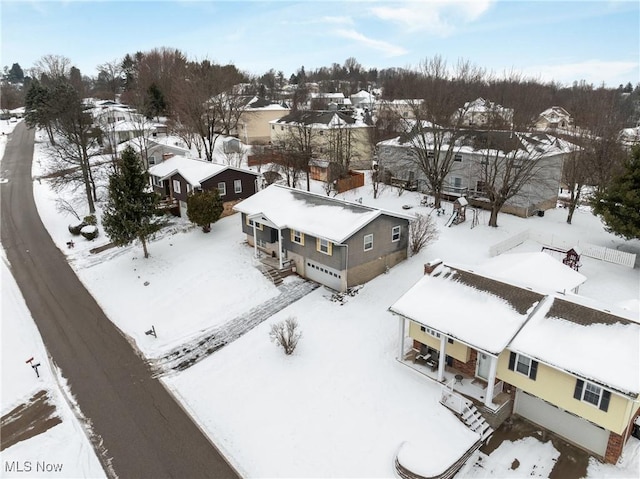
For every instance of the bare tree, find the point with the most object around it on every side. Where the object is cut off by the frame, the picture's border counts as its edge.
(510, 161)
(286, 334)
(110, 77)
(439, 116)
(52, 67)
(422, 232)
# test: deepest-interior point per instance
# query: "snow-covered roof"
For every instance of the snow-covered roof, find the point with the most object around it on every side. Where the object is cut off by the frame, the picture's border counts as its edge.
(125, 125)
(477, 310)
(193, 171)
(310, 213)
(577, 335)
(321, 119)
(539, 270)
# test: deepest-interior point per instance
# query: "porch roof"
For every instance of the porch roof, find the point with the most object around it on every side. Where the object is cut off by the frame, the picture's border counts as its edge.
(577, 335)
(482, 312)
(311, 213)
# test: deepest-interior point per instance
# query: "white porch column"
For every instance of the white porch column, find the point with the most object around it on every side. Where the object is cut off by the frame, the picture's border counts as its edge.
(255, 241)
(280, 247)
(491, 381)
(441, 359)
(401, 345)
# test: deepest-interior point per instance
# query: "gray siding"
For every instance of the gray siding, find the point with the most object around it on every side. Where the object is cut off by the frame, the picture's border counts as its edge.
(382, 241)
(336, 260)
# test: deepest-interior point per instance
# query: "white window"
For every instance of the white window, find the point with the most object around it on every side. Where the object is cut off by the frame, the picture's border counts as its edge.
(222, 188)
(430, 331)
(189, 188)
(237, 186)
(592, 394)
(368, 242)
(262, 243)
(176, 186)
(395, 234)
(156, 181)
(324, 246)
(430, 155)
(457, 157)
(457, 182)
(152, 160)
(523, 365)
(297, 237)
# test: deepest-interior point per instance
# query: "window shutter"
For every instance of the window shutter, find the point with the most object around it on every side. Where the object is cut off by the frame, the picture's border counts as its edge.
(577, 394)
(534, 370)
(512, 361)
(604, 403)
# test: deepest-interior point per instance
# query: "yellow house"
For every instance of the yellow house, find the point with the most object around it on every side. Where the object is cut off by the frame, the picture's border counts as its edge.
(253, 125)
(561, 362)
(330, 133)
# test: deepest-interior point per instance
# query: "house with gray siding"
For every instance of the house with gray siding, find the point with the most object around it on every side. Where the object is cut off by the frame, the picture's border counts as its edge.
(176, 177)
(398, 158)
(334, 242)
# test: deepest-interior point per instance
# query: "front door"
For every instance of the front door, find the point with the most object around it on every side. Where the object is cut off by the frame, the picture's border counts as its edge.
(483, 365)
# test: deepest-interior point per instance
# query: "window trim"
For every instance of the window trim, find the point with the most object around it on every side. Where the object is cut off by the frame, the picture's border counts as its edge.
(177, 188)
(457, 157)
(156, 181)
(222, 192)
(393, 233)
(319, 242)
(297, 237)
(237, 186)
(604, 396)
(364, 242)
(514, 361)
(251, 222)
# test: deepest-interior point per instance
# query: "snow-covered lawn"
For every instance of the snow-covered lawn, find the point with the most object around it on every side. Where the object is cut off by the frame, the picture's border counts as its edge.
(341, 405)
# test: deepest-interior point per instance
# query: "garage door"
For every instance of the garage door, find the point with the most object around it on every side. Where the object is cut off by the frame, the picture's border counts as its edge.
(320, 273)
(573, 428)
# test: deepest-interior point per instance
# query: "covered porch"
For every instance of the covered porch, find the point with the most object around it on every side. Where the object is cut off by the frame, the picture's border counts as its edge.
(458, 381)
(438, 357)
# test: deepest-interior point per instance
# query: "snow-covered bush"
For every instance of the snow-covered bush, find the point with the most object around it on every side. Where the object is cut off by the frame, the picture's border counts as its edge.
(422, 232)
(286, 334)
(75, 229)
(90, 220)
(89, 232)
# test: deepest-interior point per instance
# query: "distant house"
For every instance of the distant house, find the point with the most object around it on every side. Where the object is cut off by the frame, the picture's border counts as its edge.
(363, 99)
(329, 130)
(563, 362)
(176, 177)
(330, 241)
(554, 118)
(403, 108)
(469, 157)
(253, 125)
(320, 101)
(630, 137)
(481, 113)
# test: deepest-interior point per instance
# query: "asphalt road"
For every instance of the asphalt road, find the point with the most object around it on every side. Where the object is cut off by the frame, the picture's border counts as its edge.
(145, 432)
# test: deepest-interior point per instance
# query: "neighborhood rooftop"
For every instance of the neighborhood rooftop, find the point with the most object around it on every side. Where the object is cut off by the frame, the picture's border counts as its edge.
(452, 300)
(311, 213)
(570, 333)
(192, 170)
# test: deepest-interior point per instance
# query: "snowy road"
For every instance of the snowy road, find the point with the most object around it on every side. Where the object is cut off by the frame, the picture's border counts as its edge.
(144, 432)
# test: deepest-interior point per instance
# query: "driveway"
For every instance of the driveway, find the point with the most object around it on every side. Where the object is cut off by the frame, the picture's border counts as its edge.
(144, 431)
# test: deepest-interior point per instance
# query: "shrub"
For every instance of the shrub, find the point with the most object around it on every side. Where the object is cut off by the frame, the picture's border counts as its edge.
(286, 334)
(90, 220)
(75, 230)
(89, 232)
(422, 232)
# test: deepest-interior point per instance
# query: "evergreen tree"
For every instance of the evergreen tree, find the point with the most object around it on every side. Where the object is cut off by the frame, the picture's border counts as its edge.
(156, 104)
(15, 75)
(131, 207)
(204, 208)
(619, 204)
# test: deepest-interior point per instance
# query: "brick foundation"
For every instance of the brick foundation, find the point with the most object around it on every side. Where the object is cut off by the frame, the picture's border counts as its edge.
(614, 448)
(468, 368)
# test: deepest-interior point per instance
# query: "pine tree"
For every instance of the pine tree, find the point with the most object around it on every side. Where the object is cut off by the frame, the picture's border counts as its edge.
(131, 207)
(204, 208)
(619, 205)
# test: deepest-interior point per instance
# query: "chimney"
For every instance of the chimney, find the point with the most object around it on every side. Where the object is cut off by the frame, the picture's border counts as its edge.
(166, 156)
(432, 265)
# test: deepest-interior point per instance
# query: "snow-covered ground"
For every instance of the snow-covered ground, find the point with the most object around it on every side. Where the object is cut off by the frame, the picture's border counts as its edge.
(341, 405)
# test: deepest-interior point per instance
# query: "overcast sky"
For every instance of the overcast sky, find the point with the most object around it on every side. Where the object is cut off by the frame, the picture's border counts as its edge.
(597, 41)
